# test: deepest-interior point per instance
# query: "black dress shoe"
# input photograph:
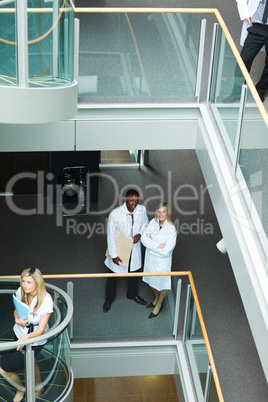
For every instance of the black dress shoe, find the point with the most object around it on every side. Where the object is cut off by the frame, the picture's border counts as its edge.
(138, 300)
(107, 306)
(150, 305)
(152, 315)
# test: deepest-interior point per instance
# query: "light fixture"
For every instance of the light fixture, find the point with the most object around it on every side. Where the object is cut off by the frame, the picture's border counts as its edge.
(221, 246)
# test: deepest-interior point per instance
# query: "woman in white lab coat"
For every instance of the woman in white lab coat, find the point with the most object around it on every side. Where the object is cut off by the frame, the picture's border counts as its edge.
(159, 239)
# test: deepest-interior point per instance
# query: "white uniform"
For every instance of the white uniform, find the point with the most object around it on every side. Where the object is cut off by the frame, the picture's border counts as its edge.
(246, 9)
(120, 220)
(159, 259)
(34, 318)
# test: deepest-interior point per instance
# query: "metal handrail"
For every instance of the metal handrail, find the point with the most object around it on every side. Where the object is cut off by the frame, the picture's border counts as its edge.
(52, 331)
(141, 274)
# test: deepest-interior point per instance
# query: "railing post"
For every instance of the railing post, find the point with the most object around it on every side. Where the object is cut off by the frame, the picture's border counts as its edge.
(70, 293)
(200, 59)
(177, 309)
(30, 374)
(22, 43)
(55, 39)
(239, 126)
(212, 60)
(208, 382)
(187, 310)
(76, 48)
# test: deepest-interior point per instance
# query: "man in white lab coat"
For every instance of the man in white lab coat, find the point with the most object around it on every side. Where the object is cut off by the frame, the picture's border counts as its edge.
(254, 37)
(131, 220)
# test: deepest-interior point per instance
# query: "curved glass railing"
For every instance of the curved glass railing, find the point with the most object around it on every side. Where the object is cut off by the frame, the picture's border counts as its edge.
(8, 44)
(54, 359)
(38, 51)
(50, 37)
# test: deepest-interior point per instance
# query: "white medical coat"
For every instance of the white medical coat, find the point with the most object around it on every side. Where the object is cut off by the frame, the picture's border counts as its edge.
(159, 259)
(246, 9)
(120, 220)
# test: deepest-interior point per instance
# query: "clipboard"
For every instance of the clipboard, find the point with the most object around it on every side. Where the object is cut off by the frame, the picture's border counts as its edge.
(22, 308)
(123, 248)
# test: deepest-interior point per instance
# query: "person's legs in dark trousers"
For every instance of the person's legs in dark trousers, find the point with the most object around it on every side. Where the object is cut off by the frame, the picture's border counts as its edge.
(262, 85)
(110, 287)
(253, 44)
(110, 292)
(132, 283)
(132, 290)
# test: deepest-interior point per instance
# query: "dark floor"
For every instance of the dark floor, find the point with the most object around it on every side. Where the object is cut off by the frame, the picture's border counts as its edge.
(37, 241)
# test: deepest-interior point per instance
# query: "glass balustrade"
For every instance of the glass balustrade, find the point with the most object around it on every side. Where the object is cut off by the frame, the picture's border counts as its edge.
(138, 57)
(53, 360)
(50, 43)
(128, 322)
(247, 149)
(226, 84)
(8, 44)
(197, 352)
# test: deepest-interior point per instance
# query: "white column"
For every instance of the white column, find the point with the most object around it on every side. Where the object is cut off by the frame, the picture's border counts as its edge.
(22, 43)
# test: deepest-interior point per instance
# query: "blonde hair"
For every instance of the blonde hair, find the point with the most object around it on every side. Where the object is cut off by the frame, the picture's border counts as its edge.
(161, 205)
(35, 273)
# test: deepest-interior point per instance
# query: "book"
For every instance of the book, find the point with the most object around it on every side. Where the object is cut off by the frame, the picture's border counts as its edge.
(123, 248)
(22, 308)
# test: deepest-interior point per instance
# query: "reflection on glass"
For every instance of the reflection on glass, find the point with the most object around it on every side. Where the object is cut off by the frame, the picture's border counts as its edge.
(143, 56)
(8, 46)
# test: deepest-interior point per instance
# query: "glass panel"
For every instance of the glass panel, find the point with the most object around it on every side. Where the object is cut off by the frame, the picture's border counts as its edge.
(125, 319)
(196, 348)
(213, 395)
(51, 43)
(7, 314)
(253, 160)
(227, 81)
(8, 45)
(147, 57)
(54, 363)
(7, 317)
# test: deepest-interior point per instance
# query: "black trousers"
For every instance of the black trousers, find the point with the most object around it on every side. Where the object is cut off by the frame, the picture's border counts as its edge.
(257, 38)
(132, 290)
